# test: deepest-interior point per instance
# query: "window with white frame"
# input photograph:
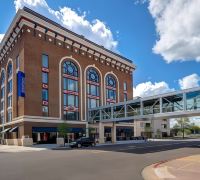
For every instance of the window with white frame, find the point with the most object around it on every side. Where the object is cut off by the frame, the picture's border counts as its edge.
(70, 80)
(2, 88)
(93, 88)
(111, 96)
(9, 92)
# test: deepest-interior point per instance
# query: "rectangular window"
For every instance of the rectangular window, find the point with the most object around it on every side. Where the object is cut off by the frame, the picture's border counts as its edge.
(111, 94)
(72, 85)
(2, 93)
(17, 63)
(45, 110)
(2, 105)
(9, 115)
(45, 61)
(125, 97)
(125, 86)
(65, 99)
(45, 77)
(71, 100)
(45, 94)
(65, 83)
(2, 118)
(9, 101)
(10, 86)
(68, 115)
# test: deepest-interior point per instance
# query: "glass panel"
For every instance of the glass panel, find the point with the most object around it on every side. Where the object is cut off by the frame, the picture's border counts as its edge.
(9, 101)
(69, 115)
(125, 86)
(45, 61)
(10, 86)
(44, 77)
(118, 111)
(44, 94)
(65, 99)
(92, 75)
(2, 78)
(151, 106)
(9, 116)
(71, 100)
(2, 93)
(125, 97)
(133, 109)
(110, 81)
(72, 85)
(94, 115)
(45, 110)
(9, 70)
(2, 105)
(64, 83)
(193, 100)
(70, 68)
(173, 103)
(106, 113)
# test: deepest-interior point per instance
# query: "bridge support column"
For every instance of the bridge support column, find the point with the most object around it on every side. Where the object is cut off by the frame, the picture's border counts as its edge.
(113, 133)
(101, 133)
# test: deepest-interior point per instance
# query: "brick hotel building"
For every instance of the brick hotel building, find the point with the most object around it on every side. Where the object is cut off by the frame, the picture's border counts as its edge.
(50, 75)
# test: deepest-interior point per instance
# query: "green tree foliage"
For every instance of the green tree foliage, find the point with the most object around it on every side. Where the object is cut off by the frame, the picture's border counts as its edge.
(63, 130)
(183, 125)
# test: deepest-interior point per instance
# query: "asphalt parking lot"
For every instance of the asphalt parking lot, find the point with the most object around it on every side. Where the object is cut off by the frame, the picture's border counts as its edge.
(117, 162)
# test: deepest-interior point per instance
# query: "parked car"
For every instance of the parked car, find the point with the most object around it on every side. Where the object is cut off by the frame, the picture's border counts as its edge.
(83, 142)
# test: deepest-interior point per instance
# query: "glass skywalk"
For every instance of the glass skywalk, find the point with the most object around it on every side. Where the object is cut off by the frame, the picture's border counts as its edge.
(170, 105)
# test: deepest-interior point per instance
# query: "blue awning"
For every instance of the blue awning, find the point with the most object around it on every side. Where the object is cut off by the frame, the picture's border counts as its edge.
(54, 129)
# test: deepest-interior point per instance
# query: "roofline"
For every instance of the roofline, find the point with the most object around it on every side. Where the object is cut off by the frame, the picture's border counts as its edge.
(27, 10)
(80, 36)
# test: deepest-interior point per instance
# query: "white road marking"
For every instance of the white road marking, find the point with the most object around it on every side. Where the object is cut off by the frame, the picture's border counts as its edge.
(162, 172)
(160, 145)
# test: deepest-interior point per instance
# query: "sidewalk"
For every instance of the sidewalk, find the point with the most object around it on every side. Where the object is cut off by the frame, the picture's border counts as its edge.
(186, 168)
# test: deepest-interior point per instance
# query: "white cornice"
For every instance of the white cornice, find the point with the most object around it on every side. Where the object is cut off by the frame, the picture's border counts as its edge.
(79, 40)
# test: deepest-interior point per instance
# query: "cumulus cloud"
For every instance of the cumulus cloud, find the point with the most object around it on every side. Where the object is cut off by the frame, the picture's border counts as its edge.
(150, 89)
(189, 81)
(95, 30)
(1, 37)
(178, 27)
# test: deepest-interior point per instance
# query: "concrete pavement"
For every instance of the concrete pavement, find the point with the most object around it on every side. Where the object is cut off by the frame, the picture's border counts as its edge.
(119, 161)
(186, 168)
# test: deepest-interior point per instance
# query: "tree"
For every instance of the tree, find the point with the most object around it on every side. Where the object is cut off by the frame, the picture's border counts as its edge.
(183, 124)
(63, 130)
(91, 131)
(194, 128)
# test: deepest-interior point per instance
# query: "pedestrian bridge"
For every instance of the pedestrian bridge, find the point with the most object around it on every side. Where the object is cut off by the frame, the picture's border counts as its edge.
(175, 104)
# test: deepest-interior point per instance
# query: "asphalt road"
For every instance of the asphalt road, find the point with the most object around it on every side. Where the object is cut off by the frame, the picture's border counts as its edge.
(113, 162)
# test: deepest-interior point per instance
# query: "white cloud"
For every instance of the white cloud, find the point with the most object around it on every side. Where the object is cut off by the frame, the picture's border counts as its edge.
(95, 30)
(1, 37)
(178, 27)
(189, 81)
(150, 89)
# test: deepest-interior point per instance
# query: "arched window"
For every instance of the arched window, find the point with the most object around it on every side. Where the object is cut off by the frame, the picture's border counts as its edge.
(70, 91)
(110, 89)
(93, 93)
(2, 85)
(9, 92)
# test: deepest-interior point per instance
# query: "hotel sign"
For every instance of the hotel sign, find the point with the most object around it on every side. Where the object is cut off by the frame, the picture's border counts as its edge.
(20, 84)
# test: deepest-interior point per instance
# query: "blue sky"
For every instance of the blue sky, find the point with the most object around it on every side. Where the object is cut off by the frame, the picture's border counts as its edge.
(132, 28)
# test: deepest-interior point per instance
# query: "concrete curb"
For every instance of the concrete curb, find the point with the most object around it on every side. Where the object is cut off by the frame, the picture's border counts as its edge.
(148, 173)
